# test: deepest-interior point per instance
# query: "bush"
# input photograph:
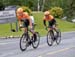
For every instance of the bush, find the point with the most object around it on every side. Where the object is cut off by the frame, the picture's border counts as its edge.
(26, 9)
(57, 12)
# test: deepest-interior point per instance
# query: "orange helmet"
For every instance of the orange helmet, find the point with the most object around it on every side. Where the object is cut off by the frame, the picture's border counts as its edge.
(19, 10)
(46, 13)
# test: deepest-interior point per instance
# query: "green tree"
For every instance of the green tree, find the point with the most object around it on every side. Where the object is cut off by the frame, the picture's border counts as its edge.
(1, 6)
(57, 12)
(67, 5)
(69, 9)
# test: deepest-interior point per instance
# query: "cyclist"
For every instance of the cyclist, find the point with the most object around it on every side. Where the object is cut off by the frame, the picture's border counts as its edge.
(25, 21)
(51, 21)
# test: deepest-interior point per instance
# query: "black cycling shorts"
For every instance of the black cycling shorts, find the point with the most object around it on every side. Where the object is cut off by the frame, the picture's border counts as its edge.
(25, 23)
(51, 23)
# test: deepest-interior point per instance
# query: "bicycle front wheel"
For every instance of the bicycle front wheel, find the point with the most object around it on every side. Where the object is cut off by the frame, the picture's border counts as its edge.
(23, 42)
(50, 36)
(36, 42)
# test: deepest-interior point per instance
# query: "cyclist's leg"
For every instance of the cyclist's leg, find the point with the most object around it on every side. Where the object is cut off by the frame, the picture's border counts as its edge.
(33, 26)
(25, 25)
(49, 25)
(56, 29)
(33, 32)
(55, 26)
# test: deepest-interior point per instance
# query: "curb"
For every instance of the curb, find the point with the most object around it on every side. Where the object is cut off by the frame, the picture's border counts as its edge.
(11, 37)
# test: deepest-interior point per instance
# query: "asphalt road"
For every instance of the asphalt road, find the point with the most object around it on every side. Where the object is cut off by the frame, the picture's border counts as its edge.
(10, 48)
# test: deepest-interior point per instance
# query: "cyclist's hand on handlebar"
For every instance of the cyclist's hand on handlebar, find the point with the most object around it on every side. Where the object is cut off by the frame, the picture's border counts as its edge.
(20, 25)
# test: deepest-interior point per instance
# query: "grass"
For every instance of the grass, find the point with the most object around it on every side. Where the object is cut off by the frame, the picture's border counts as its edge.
(63, 25)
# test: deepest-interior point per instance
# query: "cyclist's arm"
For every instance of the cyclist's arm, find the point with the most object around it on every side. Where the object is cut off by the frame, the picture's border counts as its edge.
(20, 23)
(19, 20)
(44, 21)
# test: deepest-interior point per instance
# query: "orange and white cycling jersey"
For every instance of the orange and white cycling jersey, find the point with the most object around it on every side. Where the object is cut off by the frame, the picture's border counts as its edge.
(48, 18)
(23, 16)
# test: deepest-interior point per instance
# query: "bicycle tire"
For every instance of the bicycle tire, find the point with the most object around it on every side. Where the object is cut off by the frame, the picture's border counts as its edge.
(50, 36)
(36, 43)
(23, 37)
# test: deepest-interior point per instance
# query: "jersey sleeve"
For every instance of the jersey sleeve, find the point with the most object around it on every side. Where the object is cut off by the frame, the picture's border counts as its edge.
(51, 17)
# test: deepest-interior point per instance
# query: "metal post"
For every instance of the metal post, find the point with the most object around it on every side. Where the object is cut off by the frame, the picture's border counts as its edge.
(11, 26)
(16, 26)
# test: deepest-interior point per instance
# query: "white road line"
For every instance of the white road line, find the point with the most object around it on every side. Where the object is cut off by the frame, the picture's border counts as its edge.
(11, 53)
(2, 43)
(7, 54)
(39, 56)
(54, 52)
(65, 49)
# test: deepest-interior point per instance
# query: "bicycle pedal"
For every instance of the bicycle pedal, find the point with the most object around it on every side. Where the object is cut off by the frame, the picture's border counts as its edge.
(54, 38)
(29, 42)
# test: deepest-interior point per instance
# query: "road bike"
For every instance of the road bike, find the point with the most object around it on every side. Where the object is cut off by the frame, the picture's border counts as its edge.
(53, 36)
(26, 40)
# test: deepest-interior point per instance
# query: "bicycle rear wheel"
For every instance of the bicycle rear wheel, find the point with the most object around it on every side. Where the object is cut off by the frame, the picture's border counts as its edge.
(50, 36)
(23, 42)
(35, 43)
(58, 38)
